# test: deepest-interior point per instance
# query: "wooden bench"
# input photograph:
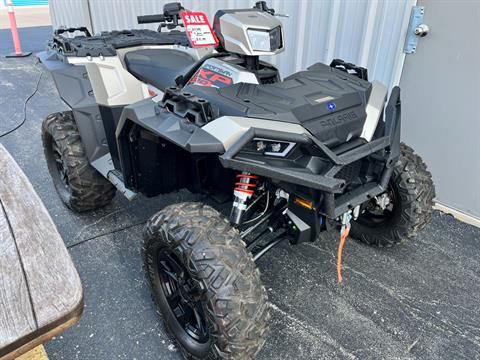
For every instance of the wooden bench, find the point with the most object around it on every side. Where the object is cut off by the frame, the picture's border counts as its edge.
(40, 290)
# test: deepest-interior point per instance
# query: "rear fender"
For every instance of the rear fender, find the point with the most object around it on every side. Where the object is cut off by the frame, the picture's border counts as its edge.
(75, 89)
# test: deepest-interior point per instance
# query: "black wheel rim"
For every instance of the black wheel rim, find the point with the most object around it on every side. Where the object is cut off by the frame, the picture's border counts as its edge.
(374, 216)
(62, 172)
(57, 169)
(183, 296)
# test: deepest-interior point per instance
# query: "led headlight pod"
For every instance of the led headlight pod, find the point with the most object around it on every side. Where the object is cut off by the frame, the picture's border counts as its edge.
(276, 38)
(264, 40)
(259, 39)
(272, 147)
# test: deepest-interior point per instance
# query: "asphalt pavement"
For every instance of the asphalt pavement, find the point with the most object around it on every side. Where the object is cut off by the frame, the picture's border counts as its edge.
(415, 301)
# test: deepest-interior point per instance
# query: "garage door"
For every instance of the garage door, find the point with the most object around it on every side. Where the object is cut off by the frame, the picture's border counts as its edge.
(440, 95)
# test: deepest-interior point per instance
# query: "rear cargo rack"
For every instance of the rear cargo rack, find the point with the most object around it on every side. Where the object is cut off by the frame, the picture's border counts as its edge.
(106, 43)
(350, 68)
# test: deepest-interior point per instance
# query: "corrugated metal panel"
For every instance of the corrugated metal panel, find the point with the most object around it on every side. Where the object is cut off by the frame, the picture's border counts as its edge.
(69, 13)
(368, 33)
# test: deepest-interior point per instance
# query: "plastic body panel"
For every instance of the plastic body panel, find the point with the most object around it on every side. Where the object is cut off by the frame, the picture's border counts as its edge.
(75, 89)
(110, 119)
(157, 147)
(327, 102)
(222, 70)
(111, 83)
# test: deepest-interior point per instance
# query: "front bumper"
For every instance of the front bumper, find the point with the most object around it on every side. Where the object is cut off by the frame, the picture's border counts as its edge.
(335, 199)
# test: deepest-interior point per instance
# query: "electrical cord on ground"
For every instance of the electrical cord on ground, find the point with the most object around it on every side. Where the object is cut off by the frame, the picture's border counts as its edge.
(19, 125)
(343, 236)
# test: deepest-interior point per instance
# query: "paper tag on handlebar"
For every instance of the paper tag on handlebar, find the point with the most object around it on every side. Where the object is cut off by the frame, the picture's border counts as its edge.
(198, 29)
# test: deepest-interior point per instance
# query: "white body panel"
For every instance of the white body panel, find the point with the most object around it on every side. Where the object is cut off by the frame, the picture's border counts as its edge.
(228, 129)
(374, 109)
(112, 84)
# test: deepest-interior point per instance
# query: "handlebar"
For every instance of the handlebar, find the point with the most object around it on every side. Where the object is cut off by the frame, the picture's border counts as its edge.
(262, 6)
(149, 19)
(169, 18)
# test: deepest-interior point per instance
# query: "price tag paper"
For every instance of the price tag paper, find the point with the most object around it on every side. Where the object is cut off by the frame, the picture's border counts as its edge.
(198, 29)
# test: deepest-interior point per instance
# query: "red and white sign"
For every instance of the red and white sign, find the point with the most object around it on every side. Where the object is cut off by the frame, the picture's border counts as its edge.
(198, 29)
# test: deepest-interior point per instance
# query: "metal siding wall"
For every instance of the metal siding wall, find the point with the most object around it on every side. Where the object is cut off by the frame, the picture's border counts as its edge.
(368, 33)
(69, 13)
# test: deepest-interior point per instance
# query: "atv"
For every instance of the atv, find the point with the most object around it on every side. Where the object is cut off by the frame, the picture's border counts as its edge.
(153, 112)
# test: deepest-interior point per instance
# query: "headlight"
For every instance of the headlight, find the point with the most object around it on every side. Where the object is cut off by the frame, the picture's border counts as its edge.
(264, 40)
(269, 147)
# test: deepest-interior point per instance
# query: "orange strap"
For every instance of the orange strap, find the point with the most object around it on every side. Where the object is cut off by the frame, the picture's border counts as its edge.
(343, 237)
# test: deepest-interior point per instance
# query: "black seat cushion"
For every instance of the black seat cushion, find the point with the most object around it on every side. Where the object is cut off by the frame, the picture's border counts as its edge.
(158, 67)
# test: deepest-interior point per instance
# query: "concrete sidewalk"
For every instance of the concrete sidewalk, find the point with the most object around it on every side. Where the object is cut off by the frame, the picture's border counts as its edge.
(28, 16)
(420, 300)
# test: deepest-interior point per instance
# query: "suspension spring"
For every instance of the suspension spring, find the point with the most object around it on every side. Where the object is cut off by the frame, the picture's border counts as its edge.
(246, 183)
(245, 187)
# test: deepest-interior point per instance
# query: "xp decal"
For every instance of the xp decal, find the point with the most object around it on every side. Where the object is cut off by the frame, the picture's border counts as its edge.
(212, 76)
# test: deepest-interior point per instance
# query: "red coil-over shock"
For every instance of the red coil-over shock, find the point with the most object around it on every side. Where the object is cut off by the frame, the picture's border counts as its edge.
(245, 187)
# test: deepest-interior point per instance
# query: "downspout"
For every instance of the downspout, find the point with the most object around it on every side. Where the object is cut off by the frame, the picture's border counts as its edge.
(88, 16)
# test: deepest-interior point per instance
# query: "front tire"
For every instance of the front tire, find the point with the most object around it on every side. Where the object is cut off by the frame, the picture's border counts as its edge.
(411, 191)
(80, 186)
(205, 283)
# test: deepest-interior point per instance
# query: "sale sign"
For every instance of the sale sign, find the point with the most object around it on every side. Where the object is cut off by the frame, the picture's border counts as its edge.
(198, 29)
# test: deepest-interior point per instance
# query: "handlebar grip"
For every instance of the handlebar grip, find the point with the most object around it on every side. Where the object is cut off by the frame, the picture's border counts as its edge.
(149, 19)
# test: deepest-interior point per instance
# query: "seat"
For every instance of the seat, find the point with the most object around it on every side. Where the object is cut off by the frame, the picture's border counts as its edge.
(158, 67)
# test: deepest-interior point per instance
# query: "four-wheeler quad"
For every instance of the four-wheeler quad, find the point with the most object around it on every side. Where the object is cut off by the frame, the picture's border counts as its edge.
(152, 114)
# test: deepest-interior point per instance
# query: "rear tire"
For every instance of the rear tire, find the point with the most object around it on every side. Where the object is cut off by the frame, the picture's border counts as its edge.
(223, 284)
(412, 190)
(78, 184)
